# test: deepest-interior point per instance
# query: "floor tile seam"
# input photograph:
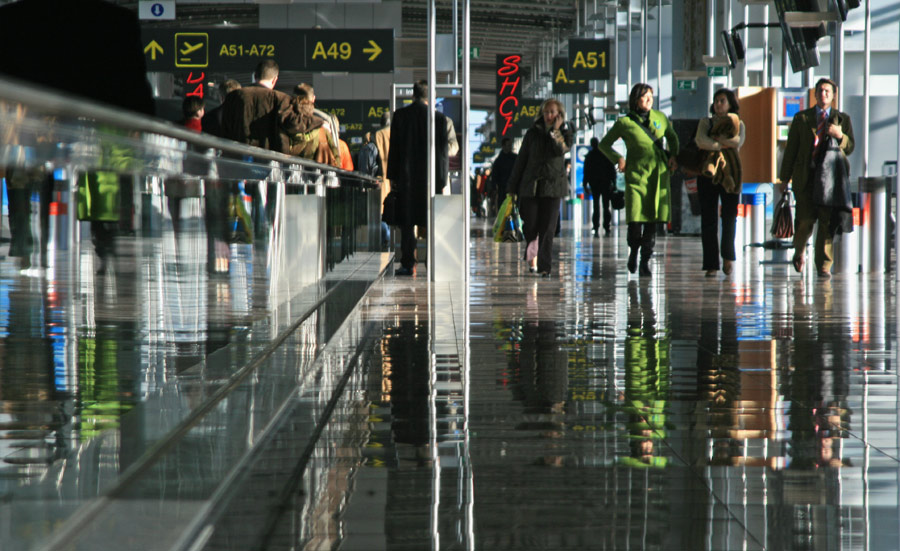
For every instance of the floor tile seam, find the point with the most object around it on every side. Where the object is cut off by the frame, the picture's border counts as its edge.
(856, 436)
(705, 483)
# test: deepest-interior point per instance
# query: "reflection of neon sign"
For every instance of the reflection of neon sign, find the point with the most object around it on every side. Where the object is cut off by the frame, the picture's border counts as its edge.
(198, 80)
(508, 89)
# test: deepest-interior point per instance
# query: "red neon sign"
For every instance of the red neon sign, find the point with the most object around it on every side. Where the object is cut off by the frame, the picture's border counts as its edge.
(198, 80)
(508, 90)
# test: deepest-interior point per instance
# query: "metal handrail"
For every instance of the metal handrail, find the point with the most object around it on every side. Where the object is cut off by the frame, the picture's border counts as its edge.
(56, 102)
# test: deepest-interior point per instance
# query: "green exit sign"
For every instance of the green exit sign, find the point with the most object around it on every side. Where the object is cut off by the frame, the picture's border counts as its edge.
(474, 52)
(715, 71)
(690, 84)
(610, 117)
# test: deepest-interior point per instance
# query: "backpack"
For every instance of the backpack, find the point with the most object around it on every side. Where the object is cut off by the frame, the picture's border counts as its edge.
(367, 160)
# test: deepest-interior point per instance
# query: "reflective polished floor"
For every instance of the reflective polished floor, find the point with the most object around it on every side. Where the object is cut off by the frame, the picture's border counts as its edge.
(589, 410)
(599, 410)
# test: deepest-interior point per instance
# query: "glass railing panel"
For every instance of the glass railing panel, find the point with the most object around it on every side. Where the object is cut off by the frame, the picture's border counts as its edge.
(146, 266)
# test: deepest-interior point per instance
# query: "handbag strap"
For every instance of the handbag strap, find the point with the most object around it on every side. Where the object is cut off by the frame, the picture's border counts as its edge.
(656, 140)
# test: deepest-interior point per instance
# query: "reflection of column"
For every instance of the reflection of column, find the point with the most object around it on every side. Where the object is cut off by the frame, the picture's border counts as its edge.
(873, 317)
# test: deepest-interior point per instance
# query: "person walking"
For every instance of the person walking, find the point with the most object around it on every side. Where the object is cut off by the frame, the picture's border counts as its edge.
(382, 141)
(539, 179)
(501, 169)
(212, 119)
(647, 167)
(408, 169)
(712, 189)
(252, 114)
(819, 179)
(310, 135)
(600, 177)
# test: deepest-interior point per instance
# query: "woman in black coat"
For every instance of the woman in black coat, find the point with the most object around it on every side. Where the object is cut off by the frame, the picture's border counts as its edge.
(539, 179)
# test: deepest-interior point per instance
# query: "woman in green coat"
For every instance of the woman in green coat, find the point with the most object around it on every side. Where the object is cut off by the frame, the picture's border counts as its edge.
(647, 167)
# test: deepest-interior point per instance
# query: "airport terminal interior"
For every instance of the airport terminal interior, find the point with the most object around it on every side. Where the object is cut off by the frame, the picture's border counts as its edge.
(206, 345)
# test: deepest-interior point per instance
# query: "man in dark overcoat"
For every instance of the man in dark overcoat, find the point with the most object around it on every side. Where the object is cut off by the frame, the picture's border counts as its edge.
(501, 169)
(408, 169)
(600, 176)
(809, 130)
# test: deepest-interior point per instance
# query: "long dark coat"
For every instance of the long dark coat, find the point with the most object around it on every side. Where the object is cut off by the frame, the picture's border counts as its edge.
(797, 158)
(599, 172)
(408, 162)
(540, 169)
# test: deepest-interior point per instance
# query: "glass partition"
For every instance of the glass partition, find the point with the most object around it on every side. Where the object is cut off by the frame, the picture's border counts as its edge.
(144, 271)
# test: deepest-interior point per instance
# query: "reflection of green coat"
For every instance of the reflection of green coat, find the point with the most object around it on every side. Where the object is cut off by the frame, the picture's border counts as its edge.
(99, 191)
(646, 168)
(98, 196)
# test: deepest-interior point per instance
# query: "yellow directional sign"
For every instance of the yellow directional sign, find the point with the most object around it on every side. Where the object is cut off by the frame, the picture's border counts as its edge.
(154, 48)
(589, 58)
(192, 50)
(229, 50)
(564, 84)
(374, 50)
(355, 51)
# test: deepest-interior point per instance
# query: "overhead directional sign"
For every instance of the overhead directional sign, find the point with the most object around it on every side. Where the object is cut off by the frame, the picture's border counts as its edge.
(526, 113)
(562, 84)
(354, 51)
(339, 50)
(356, 117)
(589, 59)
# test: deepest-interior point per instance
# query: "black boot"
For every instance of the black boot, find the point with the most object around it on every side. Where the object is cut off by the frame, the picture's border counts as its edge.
(648, 241)
(645, 267)
(632, 259)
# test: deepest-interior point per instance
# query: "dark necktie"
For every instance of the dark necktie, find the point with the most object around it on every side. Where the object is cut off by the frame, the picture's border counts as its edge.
(820, 129)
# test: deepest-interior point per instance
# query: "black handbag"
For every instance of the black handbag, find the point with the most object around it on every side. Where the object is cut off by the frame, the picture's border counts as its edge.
(783, 219)
(617, 199)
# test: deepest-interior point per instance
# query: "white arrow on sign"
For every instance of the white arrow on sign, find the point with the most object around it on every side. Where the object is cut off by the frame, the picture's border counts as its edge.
(157, 10)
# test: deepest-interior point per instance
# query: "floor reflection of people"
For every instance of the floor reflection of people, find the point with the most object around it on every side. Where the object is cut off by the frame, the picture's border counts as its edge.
(105, 197)
(719, 379)
(32, 406)
(541, 377)
(25, 176)
(98, 202)
(109, 372)
(407, 348)
(21, 185)
(818, 386)
(646, 381)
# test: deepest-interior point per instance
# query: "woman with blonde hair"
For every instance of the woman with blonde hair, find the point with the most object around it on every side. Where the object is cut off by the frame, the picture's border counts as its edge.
(539, 180)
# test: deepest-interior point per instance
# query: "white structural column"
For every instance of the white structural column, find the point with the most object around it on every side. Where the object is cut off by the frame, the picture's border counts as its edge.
(464, 135)
(710, 42)
(659, 12)
(867, 67)
(645, 6)
(432, 85)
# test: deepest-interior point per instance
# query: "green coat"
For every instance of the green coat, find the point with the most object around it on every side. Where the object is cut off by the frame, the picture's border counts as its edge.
(646, 166)
(795, 164)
